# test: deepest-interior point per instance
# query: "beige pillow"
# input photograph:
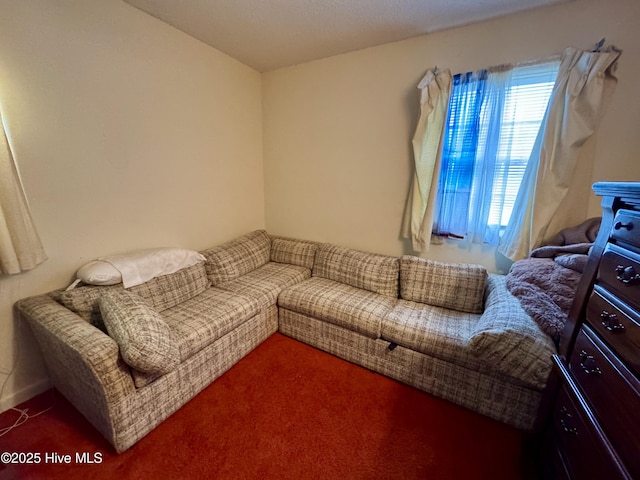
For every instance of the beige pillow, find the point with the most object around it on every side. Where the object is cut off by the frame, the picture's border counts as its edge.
(142, 334)
(456, 286)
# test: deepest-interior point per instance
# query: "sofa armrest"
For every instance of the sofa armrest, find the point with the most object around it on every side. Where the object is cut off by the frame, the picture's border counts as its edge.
(83, 362)
(508, 339)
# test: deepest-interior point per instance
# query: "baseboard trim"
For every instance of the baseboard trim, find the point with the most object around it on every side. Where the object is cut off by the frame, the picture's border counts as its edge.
(16, 398)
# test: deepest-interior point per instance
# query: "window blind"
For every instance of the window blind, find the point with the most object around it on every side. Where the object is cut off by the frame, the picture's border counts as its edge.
(492, 124)
(525, 105)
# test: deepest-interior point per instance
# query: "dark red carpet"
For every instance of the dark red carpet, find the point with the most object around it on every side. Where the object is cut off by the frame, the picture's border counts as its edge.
(287, 410)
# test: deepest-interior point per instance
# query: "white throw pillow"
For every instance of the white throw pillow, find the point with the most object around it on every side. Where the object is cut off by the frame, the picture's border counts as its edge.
(99, 272)
(137, 267)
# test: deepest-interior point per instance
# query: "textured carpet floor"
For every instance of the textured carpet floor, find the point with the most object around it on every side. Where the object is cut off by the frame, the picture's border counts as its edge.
(285, 411)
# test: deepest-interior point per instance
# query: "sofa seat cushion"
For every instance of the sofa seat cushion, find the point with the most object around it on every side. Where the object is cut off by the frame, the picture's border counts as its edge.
(368, 271)
(343, 305)
(509, 339)
(266, 283)
(434, 331)
(202, 320)
(237, 257)
(457, 286)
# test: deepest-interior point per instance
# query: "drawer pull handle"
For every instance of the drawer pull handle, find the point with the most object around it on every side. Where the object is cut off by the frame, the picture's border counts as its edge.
(566, 422)
(610, 322)
(627, 275)
(588, 364)
(627, 226)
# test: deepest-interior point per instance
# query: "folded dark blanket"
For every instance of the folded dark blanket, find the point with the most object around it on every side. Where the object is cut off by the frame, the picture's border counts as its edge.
(569, 256)
(550, 251)
(546, 290)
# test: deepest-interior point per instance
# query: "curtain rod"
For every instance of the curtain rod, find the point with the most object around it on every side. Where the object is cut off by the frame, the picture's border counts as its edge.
(505, 67)
(527, 63)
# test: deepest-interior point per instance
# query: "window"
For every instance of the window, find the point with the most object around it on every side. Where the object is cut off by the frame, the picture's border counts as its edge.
(491, 128)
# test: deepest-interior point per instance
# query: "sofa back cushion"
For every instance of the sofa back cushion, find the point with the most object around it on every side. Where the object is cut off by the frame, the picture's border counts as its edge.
(160, 293)
(294, 252)
(237, 257)
(456, 286)
(170, 290)
(369, 271)
(83, 301)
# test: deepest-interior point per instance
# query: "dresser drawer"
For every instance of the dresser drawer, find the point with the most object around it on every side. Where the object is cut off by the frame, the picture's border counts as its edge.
(617, 324)
(612, 392)
(620, 272)
(584, 452)
(552, 461)
(626, 227)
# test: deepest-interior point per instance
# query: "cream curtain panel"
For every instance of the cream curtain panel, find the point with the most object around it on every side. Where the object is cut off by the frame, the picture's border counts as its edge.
(20, 246)
(579, 96)
(435, 88)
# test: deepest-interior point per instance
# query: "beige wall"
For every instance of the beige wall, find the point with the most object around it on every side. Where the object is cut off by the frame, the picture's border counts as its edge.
(131, 134)
(128, 134)
(337, 132)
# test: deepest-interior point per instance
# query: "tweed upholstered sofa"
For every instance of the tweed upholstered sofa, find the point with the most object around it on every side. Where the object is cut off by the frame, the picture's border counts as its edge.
(450, 330)
(205, 317)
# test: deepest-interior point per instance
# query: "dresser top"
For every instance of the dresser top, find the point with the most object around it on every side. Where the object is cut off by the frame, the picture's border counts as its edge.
(618, 189)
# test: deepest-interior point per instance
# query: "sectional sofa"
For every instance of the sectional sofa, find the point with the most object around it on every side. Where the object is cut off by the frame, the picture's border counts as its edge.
(127, 358)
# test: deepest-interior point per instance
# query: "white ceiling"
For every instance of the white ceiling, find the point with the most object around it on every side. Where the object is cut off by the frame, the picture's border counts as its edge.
(269, 34)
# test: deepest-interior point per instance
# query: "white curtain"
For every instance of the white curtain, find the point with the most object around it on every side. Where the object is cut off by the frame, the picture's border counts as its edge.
(435, 88)
(489, 143)
(577, 102)
(20, 246)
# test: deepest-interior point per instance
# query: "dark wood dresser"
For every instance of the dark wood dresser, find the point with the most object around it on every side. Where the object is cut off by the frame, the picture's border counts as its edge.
(594, 426)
